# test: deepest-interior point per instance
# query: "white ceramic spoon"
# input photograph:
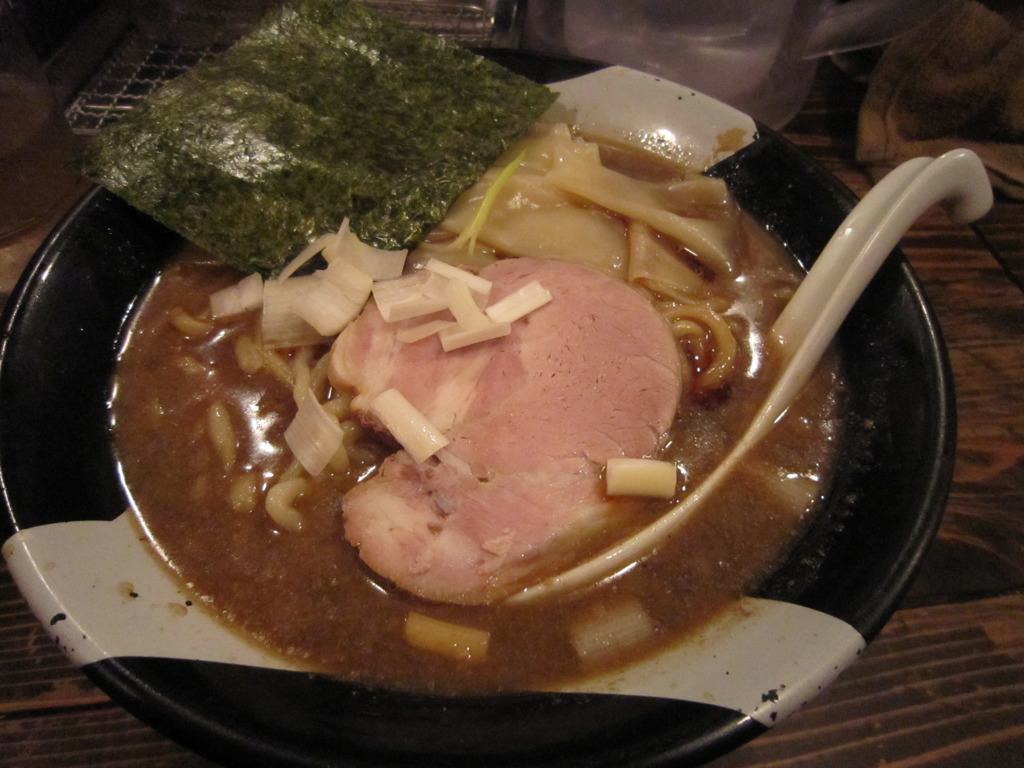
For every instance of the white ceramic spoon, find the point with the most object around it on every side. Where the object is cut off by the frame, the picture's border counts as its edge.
(808, 324)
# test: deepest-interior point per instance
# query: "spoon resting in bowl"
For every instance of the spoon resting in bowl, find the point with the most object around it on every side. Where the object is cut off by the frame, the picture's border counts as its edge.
(957, 180)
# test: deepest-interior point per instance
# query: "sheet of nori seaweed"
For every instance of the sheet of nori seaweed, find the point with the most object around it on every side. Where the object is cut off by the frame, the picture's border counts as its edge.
(326, 110)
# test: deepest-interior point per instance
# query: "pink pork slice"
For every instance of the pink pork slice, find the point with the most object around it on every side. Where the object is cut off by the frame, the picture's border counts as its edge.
(532, 419)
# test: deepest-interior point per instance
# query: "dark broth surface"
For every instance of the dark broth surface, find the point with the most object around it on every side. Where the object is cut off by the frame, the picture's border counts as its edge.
(306, 595)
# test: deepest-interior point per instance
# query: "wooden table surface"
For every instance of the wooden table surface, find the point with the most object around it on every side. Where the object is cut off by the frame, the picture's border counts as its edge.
(943, 685)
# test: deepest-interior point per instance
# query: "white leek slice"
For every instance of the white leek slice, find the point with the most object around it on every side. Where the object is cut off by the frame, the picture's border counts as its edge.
(457, 337)
(641, 477)
(402, 298)
(318, 245)
(337, 245)
(376, 262)
(473, 282)
(314, 435)
(383, 265)
(398, 289)
(519, 303)
(464, 308)
(434, 285)
(340, 295)
(243, 296)
(281, 327)
(419, 332)
(354, 282)
(408, 426)
(410, 308)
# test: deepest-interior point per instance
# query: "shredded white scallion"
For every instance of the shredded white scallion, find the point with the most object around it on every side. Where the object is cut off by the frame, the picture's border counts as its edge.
(280, 326)
(314, 435)
(243, 296)
(473, 282)
(378, 263)
(402, 298)
(457, 337)
(412, 308)
(353, 281)
(326, 308)
(341, 293)
(307, 253)
(519, 303)
(408, 426)
(336, 247)
(464, 308)
(424, 330)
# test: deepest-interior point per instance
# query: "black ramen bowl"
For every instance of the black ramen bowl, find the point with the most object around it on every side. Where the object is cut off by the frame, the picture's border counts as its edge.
(61, 335)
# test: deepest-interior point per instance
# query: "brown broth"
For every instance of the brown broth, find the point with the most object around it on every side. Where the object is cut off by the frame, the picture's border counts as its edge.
(306, 594)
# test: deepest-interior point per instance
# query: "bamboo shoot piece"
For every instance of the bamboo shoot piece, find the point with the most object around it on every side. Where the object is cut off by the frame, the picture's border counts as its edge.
(641, 477)
(456, 641)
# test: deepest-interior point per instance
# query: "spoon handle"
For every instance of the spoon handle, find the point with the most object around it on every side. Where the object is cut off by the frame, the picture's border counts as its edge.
(807, 325)
(815, 289)
(871, 230)
(853, 256)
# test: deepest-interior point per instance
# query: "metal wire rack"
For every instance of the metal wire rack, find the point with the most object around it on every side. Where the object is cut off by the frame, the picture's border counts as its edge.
(134, 69)
(136, 66)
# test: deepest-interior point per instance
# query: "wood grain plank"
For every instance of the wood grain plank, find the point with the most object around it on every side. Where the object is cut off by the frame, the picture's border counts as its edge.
(1003, 232)
(34, 674)
(100, 736)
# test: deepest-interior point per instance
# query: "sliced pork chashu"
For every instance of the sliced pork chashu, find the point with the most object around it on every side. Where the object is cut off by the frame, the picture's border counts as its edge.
(531, 417)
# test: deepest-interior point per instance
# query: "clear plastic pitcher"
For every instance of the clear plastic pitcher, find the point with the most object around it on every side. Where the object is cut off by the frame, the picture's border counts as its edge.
(756, 55)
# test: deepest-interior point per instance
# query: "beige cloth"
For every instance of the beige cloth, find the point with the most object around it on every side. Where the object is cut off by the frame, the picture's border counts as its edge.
(955, 81)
